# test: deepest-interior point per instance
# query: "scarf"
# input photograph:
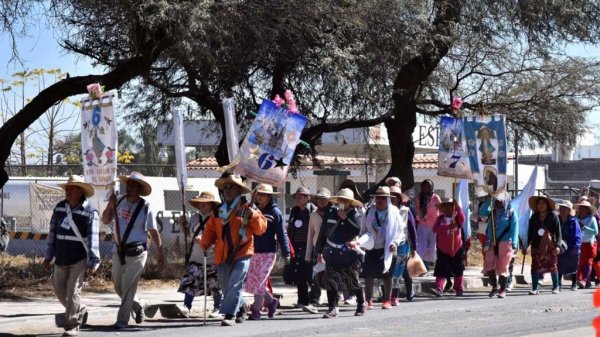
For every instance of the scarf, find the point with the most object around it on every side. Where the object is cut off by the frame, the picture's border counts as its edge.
(226, 208)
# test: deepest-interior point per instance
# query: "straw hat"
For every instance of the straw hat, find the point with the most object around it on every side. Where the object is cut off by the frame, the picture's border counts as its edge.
(480, 193)
(446, 202)
(323, 193)
(393, 181)
(204, 197)
(233, 179)
(140, 179)
(265, 189)
(396, 191)
(383, 191)
(303, 190)
(75, 180)
(534, 200)
(587, 204)
(566, 204)
(346, 194)
(502, 196)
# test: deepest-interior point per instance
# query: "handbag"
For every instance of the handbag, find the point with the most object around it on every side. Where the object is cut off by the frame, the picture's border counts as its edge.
(415, 266)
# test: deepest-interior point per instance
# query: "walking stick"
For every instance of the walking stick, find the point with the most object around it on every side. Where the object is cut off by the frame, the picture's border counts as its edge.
(185, 232)
(205, 288)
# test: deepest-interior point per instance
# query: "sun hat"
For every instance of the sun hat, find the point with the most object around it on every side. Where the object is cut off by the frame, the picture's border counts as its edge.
(323, 193)
(75, 180)
(303, 190)
(204, 197)
(587, 204)
(234, 179)
(383, 191)
(534, 200)
(265, 189)
(346, 194)
(140, 179)
(394, 181)
(566, 204)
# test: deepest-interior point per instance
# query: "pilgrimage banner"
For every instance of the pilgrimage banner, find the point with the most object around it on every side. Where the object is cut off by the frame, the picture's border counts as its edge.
(269, 146)
(99, 140)
(486, 146)
(452, 158)
(179, 141)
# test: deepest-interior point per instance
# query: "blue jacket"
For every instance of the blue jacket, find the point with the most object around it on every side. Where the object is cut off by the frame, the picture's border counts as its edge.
(572, 235)
(505, 222)
(267, 243)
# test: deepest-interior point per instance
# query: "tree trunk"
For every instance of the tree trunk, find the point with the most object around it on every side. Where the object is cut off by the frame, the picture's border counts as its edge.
(402, 147)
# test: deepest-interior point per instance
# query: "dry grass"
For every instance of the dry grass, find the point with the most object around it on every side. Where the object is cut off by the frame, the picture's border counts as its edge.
(21, 276)
(475, 257)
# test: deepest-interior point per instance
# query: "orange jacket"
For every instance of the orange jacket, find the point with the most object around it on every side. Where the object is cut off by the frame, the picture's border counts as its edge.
(213, 234)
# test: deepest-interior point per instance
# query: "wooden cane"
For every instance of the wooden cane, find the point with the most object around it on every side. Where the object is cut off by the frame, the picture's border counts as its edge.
(205, 289)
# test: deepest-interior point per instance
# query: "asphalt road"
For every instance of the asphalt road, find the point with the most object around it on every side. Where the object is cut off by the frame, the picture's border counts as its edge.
(565, 314)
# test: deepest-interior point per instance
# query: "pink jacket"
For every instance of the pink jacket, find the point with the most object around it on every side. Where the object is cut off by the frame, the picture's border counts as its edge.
(432, 211)
(443, 229)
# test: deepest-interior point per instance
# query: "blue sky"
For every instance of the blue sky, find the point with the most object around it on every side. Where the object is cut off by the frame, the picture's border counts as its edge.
(41, 50)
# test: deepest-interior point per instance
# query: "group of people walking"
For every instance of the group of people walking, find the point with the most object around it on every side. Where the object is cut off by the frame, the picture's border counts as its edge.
(326, 245)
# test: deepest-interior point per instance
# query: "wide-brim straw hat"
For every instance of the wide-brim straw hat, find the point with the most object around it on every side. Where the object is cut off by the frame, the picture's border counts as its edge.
(204, 197)
(589, 205)
(396, 191)
(140, 179)
(383, 191)
(233, 179)
(446, 202)
(566, 204)
(303, 190)
(323, 192)
(75, 180)
(534, 200)
(265, 189)
(345, 194)
(394, 180)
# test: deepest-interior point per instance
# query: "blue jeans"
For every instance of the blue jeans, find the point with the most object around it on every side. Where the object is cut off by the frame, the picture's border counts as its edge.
(232, 279)
(217, 297)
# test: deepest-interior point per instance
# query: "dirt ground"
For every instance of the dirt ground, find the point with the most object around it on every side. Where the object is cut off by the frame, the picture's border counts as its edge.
(25, 277)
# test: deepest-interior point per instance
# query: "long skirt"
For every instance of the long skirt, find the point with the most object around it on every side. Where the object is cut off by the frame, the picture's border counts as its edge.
(498, 263)
(426, 243)
(340, 279)
(261, 265)
(543, 262)
(373, 265)
(192, 282)
(448, 266)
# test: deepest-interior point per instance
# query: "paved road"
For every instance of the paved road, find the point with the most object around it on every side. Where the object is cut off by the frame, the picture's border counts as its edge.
(566, 314)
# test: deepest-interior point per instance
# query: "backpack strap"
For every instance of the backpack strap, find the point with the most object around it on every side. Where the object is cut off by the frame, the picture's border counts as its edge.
(137, 211)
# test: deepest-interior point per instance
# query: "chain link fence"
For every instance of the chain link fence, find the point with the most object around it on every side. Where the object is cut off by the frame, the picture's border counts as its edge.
(26, 203)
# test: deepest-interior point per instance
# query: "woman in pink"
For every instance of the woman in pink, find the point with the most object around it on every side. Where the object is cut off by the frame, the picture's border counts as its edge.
(450, 248)
(427, 214)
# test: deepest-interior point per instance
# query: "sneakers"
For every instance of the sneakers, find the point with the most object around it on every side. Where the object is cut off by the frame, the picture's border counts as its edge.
(534, 292)
(332, 313)
(83, 317)
(360, 310)
(509, 288)
(394, 301)
(120, 325)
(311, 309)
(493, 293)
(272, 308)
(229, 320)
(502, 294)
(555, 291)
(299, 306)
(215, 314)
(254, 316)
(438, 292)
(580, 285)
(71, 332)
(386, 305)
(574, 287)
(139, 312)
(369, 304)
(460, 294)
(448, 287)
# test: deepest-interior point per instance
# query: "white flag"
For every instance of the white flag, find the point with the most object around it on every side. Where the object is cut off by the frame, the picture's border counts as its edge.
(521, 205)
(231, 131)
(180, 158)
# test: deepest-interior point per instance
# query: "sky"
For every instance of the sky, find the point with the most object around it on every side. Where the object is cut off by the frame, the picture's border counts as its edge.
(40, 50)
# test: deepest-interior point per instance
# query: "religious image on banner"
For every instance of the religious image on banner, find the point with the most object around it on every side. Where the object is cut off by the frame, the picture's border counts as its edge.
(270, 144)
(452, 159)
(99, 140)
(486, 146)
